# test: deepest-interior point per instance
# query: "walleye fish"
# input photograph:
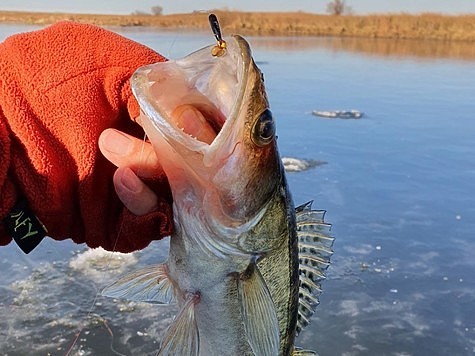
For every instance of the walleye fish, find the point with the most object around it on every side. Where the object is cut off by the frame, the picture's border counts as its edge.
(245, 267)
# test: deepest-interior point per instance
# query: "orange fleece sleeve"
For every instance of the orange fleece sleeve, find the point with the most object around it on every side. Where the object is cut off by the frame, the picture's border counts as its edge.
(60, 87)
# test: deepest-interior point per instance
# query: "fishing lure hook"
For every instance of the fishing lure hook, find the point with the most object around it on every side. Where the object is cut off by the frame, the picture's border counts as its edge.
(220, 48)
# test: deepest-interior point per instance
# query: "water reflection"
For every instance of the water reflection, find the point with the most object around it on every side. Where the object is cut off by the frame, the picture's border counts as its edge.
(461, 50)
(371, 46)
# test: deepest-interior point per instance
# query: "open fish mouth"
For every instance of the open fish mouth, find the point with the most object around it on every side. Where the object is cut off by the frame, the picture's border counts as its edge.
(212, 84)
(228, 89)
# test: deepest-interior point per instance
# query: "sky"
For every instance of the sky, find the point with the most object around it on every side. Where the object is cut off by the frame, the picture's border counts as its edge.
(177, 6)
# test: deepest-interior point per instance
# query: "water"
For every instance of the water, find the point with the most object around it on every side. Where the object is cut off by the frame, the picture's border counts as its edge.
(398, 186)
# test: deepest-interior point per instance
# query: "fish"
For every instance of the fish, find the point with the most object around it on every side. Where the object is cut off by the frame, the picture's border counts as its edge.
(245, 267)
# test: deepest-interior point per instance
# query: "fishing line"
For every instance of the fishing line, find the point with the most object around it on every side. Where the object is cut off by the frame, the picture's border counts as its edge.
(119, 233)
(221, 45)
(107, 266)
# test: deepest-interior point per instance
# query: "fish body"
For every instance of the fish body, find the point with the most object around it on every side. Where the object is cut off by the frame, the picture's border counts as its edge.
(235, 261)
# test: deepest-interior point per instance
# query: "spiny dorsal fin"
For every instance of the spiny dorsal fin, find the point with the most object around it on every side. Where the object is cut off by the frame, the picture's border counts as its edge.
(182, 336)
(258, 312)
(150, 284)
(315, 250)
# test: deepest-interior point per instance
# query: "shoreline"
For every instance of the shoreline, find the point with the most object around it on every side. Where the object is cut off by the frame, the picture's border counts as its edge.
(396, 26)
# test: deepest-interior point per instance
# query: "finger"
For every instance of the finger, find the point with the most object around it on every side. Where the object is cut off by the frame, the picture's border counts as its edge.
(135, 195)
(127, 151)
(192, 121)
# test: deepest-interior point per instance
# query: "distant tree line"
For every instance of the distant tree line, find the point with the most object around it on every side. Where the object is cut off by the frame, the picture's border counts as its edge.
(335, 7)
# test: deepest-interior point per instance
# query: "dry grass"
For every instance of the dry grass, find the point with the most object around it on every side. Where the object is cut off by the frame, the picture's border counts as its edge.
(401, 26)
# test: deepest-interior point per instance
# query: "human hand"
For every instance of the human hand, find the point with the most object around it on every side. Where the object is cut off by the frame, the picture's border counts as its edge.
(136, 158)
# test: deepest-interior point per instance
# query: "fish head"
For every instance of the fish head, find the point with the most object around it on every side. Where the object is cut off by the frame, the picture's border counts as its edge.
(234, 175)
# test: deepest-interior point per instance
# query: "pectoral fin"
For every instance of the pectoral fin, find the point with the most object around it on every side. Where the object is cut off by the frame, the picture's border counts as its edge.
(182, 336)
(258, 313)
(150, 284)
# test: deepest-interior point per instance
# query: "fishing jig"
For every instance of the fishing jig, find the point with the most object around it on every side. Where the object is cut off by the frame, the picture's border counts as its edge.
(220, 48)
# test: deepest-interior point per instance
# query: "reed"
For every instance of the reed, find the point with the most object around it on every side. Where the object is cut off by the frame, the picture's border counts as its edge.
(400, 26)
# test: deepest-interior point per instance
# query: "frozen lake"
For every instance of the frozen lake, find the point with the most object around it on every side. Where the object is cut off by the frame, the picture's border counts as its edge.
(398, 185)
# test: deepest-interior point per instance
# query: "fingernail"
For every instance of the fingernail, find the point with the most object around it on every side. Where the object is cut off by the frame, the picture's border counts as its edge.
(116, 142)
(130, 181)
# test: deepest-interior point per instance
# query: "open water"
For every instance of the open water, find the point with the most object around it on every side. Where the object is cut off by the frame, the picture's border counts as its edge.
(398, 185)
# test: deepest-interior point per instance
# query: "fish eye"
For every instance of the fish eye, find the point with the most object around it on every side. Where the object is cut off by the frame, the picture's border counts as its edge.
(264, 129)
